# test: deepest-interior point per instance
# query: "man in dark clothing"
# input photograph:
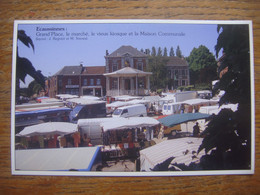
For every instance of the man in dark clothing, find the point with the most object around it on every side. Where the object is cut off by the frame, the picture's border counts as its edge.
(196, 130)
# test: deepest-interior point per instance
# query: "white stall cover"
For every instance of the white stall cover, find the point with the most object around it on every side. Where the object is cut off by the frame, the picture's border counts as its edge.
(132, 122)
(217, 109)
(184, 150)
(126, 98)
(85, 101)
(58, 159)
(49, 128)
(127, 103)
(66, 96)
(84, 122)
(200, 101)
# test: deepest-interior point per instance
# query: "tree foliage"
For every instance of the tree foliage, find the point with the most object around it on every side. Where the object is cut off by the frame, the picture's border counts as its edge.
(159, 53)
(172, 52)
(153, 53)
(227, 138)
(157, 65)
(228, 135)
(178, 52)
(165, 52)
(34, 88)
(24, 67)
(202, 65)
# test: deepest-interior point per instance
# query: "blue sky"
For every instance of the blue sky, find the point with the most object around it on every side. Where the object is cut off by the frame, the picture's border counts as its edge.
(51, 54)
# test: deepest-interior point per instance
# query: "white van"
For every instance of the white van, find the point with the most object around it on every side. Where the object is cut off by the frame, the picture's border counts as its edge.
(171, 108)
(130, 111)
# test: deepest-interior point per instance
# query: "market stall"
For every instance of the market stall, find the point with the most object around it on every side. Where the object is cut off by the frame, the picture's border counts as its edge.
(125, 136)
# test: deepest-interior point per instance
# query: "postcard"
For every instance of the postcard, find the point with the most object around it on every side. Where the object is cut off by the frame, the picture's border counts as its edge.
(132, 98)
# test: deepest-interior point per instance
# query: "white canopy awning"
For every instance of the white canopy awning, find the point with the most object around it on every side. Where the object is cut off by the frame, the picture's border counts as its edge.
(85, 101)
(50, 128)
(127, 72)
(57, 159)
(66, 96)
(184, 151)
(199, 101)
(126, 123)
(132, 102)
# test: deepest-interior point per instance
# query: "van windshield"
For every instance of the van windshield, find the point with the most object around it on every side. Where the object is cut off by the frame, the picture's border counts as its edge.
(117, 112)
(76, 110)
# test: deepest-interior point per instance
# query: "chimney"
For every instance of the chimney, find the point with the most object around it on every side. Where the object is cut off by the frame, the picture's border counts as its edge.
(107, 53)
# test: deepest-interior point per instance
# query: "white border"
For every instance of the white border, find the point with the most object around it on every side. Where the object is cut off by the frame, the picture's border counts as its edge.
(125, 174)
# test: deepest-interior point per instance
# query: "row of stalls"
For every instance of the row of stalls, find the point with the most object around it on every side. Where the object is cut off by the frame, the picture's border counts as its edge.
(120, 137)
(54, 146)
(112, 139)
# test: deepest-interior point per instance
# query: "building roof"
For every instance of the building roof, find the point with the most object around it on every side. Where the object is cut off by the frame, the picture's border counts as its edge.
(176, 61)
(70, 70)
(128, 72)
(127, 49)
(94, 70)
(78, 70)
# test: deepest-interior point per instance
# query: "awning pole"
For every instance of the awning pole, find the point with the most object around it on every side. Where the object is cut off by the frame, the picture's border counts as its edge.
(136, 87)
(118, 85)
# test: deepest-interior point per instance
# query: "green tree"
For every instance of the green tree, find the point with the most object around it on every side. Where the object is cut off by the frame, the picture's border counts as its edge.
(34, 88)
(227, 139)
(165, 52)
(178, 52)
(159, 53)
(172, 52)
(153, 53)
(148, 51)
(203, 66)
(157, 65)
(24, 67)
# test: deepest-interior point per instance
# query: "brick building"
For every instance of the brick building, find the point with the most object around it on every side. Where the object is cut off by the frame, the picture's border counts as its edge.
(125, 72)
(78, 80)
(178, 72)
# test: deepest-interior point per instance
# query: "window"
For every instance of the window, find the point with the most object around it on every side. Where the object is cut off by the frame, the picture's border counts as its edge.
(176, 74)
(183, 72)
(127, 62)
(60, 82)
(98, 82)
(114, 84)
(125, 111)
(169, 74)
(85, 82)
(114, 67)
(91, 82)
(69, 81)
(140, 66)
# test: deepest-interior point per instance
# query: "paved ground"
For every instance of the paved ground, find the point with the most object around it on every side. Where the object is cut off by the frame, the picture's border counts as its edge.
(119, 166)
